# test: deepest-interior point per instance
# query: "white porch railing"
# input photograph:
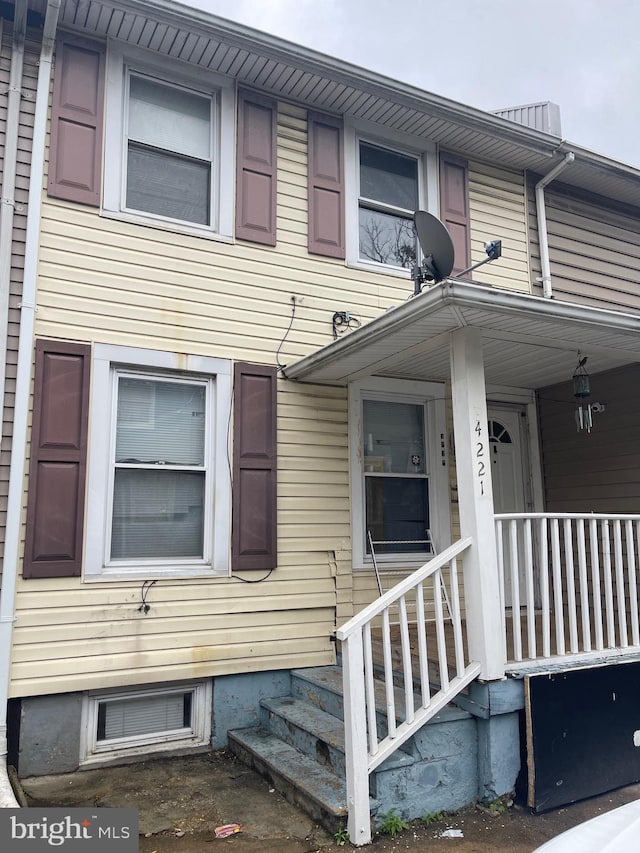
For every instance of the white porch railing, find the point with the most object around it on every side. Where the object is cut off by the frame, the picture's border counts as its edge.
(570, 580)
(365, 744)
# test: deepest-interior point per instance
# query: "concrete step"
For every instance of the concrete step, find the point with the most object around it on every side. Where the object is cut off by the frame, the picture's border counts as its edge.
(316, 733)
(320, 686)
(304, 782)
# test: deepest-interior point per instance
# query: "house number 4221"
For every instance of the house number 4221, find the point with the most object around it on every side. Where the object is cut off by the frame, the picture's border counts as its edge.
(480, 454)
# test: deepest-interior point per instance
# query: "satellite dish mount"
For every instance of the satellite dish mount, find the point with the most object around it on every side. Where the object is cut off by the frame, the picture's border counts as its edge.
(438, 252)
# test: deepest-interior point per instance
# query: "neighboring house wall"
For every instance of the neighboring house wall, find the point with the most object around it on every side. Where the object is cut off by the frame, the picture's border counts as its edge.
(597, 471)
(27, 106)
(594, 251)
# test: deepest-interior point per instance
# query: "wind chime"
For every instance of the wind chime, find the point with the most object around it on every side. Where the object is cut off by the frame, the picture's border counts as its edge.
(582, 390)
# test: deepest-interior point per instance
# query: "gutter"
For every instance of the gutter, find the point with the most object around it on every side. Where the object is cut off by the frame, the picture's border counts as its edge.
(349, 74)
(23, 386)
(543, 240)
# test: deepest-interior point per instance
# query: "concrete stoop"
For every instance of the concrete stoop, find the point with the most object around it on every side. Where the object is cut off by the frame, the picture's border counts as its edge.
(299, 747)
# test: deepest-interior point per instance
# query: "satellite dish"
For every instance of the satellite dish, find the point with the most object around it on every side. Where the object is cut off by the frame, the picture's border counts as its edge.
(437, 249)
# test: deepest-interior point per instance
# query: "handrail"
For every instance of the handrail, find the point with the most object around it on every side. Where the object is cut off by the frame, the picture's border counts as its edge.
(402, 588)
(370, 738)
(598, 516)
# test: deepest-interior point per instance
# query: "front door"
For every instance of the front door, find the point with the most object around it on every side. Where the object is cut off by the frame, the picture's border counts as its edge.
(509, 472)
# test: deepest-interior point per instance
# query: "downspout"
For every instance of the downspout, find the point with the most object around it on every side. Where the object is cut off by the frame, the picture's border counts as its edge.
(543, 240)
(23, 385)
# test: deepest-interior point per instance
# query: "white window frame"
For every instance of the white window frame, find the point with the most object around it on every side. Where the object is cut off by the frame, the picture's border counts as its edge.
(425, 153)
(431, 395)
(94, 753)
(216, 372)
(122, 61)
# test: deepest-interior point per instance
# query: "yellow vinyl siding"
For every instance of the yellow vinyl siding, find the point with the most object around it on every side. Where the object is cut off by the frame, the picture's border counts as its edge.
(102, 279)
(497, 205)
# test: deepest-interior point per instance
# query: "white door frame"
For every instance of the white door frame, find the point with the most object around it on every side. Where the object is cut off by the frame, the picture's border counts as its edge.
(505, 397)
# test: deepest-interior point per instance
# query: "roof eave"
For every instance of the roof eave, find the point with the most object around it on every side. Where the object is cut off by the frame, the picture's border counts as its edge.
(454, 293)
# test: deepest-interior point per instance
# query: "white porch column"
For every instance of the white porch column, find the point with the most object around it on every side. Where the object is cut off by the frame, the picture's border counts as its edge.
(473, 463)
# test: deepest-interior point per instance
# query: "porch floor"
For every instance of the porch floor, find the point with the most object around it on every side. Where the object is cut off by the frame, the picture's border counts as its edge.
(535, 662)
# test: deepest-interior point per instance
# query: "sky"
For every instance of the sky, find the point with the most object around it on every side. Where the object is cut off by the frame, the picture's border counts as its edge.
(584, 55)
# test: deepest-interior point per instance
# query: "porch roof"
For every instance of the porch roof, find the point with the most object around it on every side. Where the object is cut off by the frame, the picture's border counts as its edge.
(528, 341)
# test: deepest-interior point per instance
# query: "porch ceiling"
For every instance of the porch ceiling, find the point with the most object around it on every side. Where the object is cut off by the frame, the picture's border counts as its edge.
(528, 341)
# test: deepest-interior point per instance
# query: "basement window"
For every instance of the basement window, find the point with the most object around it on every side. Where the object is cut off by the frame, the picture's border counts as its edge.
(118, 724)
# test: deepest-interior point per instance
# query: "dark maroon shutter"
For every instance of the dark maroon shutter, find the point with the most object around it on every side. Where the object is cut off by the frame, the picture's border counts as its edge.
(254, 544)
(256, 169)
(454, 206)
(55, 507)
(326, 186)
(76, 121)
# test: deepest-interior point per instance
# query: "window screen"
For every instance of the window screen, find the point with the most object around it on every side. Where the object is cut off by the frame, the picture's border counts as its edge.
(169, 151)
(136, 716)
(159, 469)
(388, 200)
(396, 476)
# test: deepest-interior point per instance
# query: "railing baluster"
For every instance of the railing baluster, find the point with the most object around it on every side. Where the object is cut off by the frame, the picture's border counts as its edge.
(440, 635)
(425, 689)
(597, 584)
(531, 601)
(633, 587)
(608, 585)
(405, 643)
(501, 565)
(556, 567)
(544, 588)
(501, 573)
(623, 638)
(369, 690)
(584, 586)
(388, 674)
(515, 590)
(455, 617)
(571, 586)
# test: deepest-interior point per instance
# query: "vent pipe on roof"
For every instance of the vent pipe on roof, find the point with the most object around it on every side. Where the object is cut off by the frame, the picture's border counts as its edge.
(543, 240)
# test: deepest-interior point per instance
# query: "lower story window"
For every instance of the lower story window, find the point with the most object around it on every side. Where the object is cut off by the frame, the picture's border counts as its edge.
(396, 476)
(116, 724)
(159, 483)
(161, 467)
(399, 471)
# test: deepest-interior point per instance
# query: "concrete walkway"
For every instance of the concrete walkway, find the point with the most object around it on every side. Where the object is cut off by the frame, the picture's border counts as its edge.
(182, 800)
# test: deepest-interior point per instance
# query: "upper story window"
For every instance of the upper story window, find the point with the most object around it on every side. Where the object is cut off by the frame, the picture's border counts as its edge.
(169, 156)
(387, 199)
(386, 181)
(167, 138)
